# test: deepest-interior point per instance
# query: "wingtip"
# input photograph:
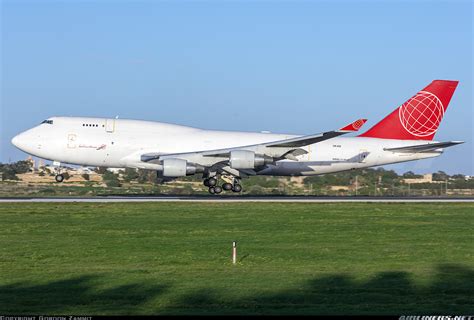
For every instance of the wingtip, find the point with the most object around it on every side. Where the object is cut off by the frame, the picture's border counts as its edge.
(354, 126)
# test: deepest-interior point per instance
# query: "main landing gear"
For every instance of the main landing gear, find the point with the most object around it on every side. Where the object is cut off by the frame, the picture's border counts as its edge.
(233, 185)
(59, 177)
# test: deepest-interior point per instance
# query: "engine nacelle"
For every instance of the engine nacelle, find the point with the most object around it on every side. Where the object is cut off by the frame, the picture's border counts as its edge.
(244, 159)
(173, 167)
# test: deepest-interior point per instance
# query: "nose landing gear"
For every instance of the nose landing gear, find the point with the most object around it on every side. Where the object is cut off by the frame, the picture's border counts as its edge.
(59, 176)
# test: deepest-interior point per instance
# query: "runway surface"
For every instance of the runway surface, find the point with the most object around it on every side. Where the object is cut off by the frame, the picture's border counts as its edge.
(229, 199)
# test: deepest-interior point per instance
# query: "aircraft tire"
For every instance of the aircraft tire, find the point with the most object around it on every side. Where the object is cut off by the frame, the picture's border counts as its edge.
(237, 188)
(227, 186)
(217, 189)
(212, 190)
(59, 178)
(206, 182)
(212, 182)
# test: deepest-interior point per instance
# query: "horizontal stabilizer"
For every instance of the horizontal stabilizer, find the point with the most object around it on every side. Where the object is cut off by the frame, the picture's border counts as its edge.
(424, 147)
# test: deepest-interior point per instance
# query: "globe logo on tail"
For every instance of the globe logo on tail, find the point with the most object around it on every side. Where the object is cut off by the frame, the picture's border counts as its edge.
(422, 114)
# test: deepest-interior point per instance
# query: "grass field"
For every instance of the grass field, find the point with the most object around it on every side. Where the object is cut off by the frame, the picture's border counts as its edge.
(175, 258)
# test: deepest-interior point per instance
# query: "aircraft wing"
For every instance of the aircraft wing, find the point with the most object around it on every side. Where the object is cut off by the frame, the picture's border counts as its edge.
(428, 147)
(278, 150)
(315, 138)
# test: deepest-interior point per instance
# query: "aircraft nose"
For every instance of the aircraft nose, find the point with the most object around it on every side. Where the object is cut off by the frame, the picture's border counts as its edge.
(16, 141)
(23, 141)
(28, 141)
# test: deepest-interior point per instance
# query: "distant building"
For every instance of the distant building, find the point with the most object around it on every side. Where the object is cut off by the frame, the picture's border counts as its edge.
(339, 188)
(426, 178)
(31, 162)
(83, 170)
(115, 170)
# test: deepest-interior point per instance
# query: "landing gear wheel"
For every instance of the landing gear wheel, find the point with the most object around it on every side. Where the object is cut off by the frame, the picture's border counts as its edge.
(217, 189)
(227, 186)
(212, 182)
(59, 178)
(212, 190)
(206, 182)
(237, 188)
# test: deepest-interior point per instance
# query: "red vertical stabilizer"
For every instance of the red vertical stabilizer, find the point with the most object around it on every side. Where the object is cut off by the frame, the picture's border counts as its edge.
(419, 117)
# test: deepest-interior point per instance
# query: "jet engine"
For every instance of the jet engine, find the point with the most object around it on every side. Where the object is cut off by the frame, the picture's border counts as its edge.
(174, 167)
(244, 159)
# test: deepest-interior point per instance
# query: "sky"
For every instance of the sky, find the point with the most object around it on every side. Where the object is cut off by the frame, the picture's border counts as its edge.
(297, 67)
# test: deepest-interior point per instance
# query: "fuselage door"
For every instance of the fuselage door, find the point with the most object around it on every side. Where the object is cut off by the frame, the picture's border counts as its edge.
(110, 125)
(71, 140)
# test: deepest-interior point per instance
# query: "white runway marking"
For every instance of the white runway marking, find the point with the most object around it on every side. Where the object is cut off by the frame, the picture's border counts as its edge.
(238, 199)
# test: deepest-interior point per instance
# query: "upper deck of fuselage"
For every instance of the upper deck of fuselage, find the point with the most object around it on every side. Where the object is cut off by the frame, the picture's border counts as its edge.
(134, 125)
(123, 124)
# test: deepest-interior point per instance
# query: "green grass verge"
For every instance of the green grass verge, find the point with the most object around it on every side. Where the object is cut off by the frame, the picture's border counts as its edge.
(175, 258)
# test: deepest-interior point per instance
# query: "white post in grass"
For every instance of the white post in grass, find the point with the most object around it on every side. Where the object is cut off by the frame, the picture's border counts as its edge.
(234, 252)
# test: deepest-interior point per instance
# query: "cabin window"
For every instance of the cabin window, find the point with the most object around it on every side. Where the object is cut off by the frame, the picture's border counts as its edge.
(47, 121)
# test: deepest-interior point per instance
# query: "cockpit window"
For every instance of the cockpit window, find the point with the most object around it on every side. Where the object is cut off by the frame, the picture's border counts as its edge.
(48, 121)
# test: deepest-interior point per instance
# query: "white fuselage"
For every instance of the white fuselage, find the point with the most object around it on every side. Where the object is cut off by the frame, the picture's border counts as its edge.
(120, 143)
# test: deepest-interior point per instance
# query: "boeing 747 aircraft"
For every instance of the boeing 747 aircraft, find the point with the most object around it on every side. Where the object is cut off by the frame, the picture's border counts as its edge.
(224, 157)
